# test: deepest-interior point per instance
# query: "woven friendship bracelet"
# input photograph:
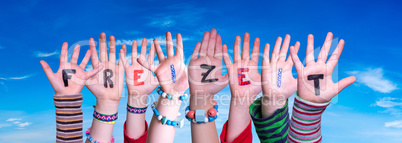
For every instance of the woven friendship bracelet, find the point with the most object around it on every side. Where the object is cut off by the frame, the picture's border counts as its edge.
(178, 122)
(110, 119)
(169, 96)
(88, 134)
(136, 110)
(198, 116)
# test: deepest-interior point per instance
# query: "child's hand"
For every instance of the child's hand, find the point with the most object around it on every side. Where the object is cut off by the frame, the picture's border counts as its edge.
(171, 71)
(140, 80)
(278, 82)
(107, 85)
(205, 68)
(244, 79)
(74, 75)
(315, 80)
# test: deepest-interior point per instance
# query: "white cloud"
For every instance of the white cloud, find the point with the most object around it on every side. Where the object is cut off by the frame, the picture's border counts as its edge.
(395, 124)
(16, 78)
(21, 125)
(388, 102)
(45, 54)
(13, 119)
(374, 78)
(161, 40)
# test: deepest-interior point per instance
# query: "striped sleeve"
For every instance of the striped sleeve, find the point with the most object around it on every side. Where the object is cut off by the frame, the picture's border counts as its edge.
(68, 118)
(305, 125)
(273, 129)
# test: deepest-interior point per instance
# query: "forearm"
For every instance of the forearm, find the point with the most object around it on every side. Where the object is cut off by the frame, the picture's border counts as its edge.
(135, 125)
(205, 132)
(273, 128)
(239, 117)
(68, 118)
(163, 133)
(271, 103)
(305, 125)
(103, 132)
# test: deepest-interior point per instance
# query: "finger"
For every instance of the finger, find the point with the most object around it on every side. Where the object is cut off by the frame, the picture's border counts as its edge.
(297, 47)
(159, 51)
(333, 60)
(204, 44)
(76, 53)
(63, 54)
(112, 49)
(256, 50)
(134, 52)
(296, 61)
(146, 65)
(94, 53)
(196, 51)
(310, 50)
(322, 57)
(179, 46)
(284, 49)
(151, 55)
(275, 51)
(123, 56)
(84, 61)
(46, 68)
(218, 46)
(143, 53)
(93, 72)
(265, 57)
(236, 52)
(211, 43)
(246, 46)
(226, 58)
(103, 48)
(342, 84)
(169, 45)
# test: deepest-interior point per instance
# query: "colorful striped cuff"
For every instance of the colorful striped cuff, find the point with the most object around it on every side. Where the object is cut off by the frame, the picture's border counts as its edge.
(273, 129)
(68, 118)
(305, 124)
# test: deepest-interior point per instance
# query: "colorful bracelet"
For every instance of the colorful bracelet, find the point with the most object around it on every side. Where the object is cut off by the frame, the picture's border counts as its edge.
(198, 116)
(169, 96)
(87, 133)
(178, 122)
(136, 110)
(110, 119)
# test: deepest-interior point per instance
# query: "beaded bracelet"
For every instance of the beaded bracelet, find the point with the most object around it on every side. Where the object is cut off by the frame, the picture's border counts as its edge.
(136, 110)
(169, 96)
(110, 119)
(178, 122)
(198, 116)
(87, 133)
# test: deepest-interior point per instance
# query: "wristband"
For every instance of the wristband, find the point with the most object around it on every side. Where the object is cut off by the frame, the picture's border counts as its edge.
(178, 122)
(87, 133)
(198, 116)
(110, 119)
(136, 110)
(169, 96)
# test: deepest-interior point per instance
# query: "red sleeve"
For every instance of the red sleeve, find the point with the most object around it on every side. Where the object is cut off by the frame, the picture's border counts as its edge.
(141, 139)
(245, 137)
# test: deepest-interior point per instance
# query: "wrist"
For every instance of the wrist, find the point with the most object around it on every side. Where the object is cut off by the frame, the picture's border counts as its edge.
(201, 102)
(137, 100)
(106, 106)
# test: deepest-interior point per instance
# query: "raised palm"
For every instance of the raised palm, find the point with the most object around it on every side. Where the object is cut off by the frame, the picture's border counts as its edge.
(277, 78)
(171, 71)
(108, 83)
(244, 78)
(324, 89)
(77, 79)
(139, 79)
(205, 68)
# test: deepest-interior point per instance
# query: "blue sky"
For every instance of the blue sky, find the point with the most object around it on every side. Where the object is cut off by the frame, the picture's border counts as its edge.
(370, 110)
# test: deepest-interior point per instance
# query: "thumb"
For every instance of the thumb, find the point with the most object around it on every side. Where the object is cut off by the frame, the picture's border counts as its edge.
(146, 65)
(342, 84)
(46, 68)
